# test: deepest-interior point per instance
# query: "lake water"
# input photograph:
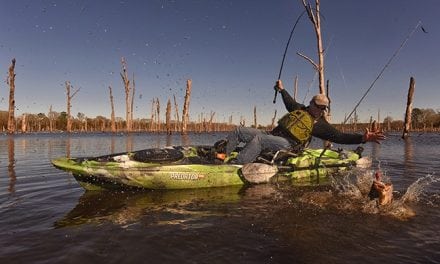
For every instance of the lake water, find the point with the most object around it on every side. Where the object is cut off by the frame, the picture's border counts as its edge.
(46, 217)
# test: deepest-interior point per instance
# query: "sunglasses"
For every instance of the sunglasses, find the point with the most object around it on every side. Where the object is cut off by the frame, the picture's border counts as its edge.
(320, 107)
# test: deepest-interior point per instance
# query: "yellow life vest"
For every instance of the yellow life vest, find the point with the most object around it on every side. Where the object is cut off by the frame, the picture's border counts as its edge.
(299, 124)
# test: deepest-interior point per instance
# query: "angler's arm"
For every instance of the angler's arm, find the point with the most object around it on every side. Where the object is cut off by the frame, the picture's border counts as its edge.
(289, 102)
(323, 130)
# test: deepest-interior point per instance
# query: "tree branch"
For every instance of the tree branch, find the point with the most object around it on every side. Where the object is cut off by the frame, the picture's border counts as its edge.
(309, 60)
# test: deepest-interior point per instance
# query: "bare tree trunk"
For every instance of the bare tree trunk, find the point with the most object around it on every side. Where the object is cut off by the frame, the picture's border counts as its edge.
(378, 120)
(158, 115)
(69, 106)
(211, 118)
(51, 119)
(11, 83)
(126, 80)
(113, 123)
(185, 113)
(177, 114)
(132, 103)
(407, 123)
(23, 123)
(255, 116)
(374, 127)
(273, 120)
(315, 18)
(152, 115)
(168, 117)
(69, 120)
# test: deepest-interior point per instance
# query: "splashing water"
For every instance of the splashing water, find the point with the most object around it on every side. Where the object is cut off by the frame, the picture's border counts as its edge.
(416, 190)
(356, 183)
(350, 192)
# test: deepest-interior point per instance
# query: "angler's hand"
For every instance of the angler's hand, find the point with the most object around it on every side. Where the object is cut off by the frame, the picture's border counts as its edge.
(373, 136)
(278, 86)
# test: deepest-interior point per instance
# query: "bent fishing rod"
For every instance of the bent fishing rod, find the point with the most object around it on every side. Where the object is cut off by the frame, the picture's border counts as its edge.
(285, 52)
(384, 68)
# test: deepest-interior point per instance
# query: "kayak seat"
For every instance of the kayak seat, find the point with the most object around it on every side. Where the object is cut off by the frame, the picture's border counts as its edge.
(220, 146)
(278, 157)
(158, 155)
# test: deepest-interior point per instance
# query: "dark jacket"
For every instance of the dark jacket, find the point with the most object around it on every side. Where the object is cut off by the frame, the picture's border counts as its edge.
(321, 129)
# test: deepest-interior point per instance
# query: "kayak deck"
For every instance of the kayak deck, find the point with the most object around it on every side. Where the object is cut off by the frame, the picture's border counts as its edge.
(186, 169)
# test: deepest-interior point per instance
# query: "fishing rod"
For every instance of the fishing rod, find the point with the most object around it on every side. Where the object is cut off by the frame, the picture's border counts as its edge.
(285, 52)
(384, 68)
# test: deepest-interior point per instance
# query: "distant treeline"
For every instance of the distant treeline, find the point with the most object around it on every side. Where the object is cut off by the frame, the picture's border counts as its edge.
(55, 122)
(426, 120)
(423, 120)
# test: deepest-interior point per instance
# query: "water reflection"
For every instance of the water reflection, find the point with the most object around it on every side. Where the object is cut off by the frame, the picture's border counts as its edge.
(125, 207)
(281, 224)
(112, 143)
(129, 143)
(409, 154)
(68, 146)
(11, 164)
(169, 140)
(185, 140)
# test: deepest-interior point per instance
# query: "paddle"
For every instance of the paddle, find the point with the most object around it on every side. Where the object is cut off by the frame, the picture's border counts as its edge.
(258, 172)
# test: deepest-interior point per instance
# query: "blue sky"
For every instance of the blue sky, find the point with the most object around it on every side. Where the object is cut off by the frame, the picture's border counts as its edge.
(231, 50)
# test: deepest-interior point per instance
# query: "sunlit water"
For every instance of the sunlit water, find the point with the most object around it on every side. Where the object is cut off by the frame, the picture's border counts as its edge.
(46, 217)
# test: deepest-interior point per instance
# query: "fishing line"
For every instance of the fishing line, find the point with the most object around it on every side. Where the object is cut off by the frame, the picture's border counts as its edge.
(285, 52)
(383, 69)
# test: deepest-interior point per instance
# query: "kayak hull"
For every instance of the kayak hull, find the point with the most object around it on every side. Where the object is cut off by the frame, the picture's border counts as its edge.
(121, 171)
(110, 175)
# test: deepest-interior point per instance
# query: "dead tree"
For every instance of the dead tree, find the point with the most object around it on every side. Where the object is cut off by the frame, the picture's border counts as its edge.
(11, 83)
(132, 102)
(273, 120)
(23, 123)
(152, 118)
(51, 116)
(374, 126)
(295, 88)
(378, 120)
(315, 17)
(255, 116)
(211, 118)
(407, 123)
(112, 116)
(69, 105)
(128, 95)
(168, 117)
(176, 114)
(185, 113)
(158, 115)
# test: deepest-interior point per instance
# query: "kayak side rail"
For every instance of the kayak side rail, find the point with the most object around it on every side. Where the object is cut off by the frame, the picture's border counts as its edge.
(284, 168)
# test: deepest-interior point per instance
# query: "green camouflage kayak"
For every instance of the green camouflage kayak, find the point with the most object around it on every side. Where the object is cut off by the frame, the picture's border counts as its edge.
(196, 167)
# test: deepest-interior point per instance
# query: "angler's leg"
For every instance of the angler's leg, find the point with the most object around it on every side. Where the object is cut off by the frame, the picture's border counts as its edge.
(258, 143)
(274, 143)
(240, 135)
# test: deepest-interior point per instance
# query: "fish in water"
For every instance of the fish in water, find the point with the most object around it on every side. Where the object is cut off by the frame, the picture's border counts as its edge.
(381, 190)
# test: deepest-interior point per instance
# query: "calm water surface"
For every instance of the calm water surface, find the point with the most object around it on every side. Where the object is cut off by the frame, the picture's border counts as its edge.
(46, 217)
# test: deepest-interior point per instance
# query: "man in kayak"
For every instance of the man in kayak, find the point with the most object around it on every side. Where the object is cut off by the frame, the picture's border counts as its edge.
(294, 130)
